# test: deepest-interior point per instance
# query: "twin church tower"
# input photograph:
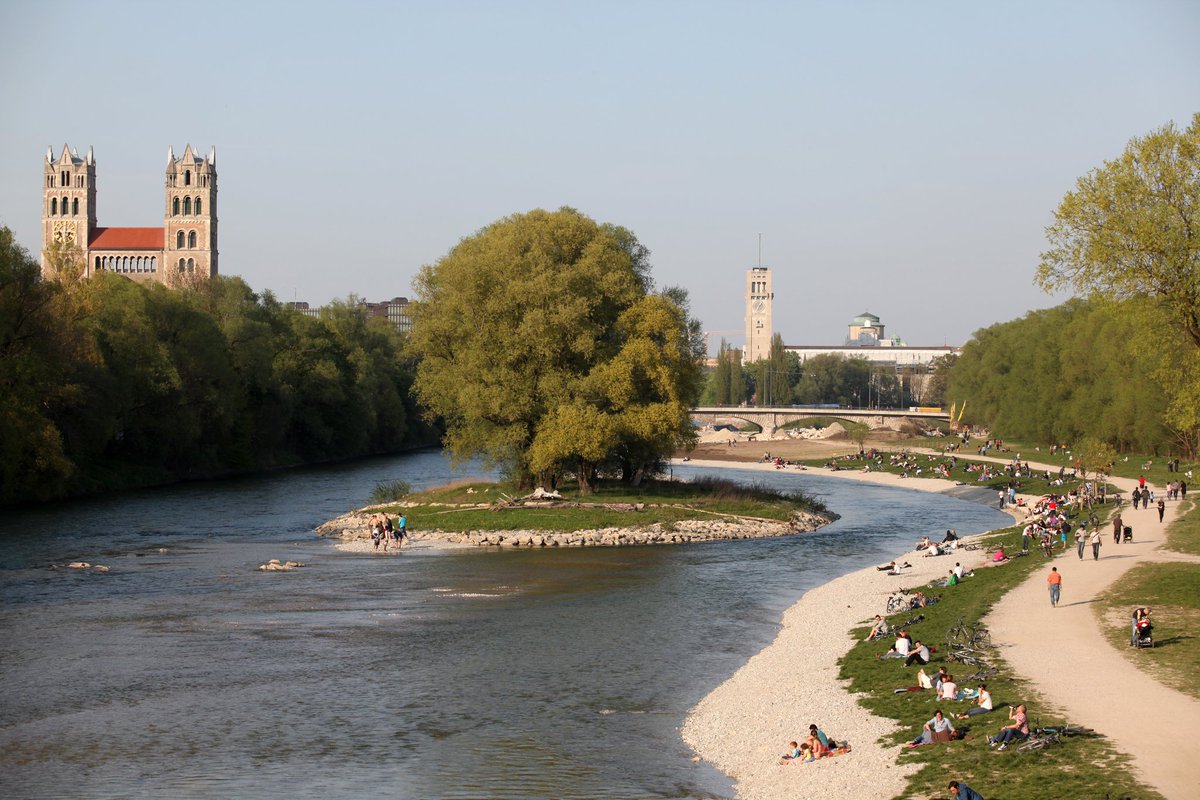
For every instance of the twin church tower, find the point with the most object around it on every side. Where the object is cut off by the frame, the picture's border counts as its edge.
(185, 244)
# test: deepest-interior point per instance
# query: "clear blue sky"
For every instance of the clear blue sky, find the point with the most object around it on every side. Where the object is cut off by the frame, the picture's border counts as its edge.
(897, 157)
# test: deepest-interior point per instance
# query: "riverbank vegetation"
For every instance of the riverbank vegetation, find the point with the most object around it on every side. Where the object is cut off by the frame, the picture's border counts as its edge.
(544, 348)
(494, 506)
(1095, 768)
(108, 383)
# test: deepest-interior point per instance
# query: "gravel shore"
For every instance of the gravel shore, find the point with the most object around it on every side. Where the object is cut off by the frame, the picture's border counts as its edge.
(744, 725)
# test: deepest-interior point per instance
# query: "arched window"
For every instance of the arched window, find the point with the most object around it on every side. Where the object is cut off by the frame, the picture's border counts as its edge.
(98, 265)
(153, 264)
(74, 206)
(187, 206)
(191, 265)
(175, 207)
(62, 209)
(53, 206)
(187, 178)
(179, 241)
(65, 180)
(198, 206)
(181, 264)
(192, 240)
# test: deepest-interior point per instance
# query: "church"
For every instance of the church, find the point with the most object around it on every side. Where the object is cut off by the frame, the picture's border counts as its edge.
(184, 245)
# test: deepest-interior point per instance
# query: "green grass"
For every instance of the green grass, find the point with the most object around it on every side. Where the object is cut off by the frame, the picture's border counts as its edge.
(1081, 767)
(1172, 592)
(1183, 535)
(663, 502)
(1035, 485)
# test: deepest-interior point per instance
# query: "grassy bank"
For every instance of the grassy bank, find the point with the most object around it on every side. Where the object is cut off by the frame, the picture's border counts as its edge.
(491, 506)
(1080, 767)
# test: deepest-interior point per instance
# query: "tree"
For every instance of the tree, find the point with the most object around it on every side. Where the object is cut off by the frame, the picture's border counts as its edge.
(1131, 230)
(517, 329)
(858, 432)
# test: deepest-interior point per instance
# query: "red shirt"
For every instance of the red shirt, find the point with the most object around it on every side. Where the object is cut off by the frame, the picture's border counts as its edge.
(1055, 577)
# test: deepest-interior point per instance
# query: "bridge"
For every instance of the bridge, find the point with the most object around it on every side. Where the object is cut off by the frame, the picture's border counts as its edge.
(770, 419)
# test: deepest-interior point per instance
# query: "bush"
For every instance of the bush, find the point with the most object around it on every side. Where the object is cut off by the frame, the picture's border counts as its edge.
(387, 491)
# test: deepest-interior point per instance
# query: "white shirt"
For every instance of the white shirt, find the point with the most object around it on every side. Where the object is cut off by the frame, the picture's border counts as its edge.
(949, 690)
(985, 699)
(958, 571)
(902, 646)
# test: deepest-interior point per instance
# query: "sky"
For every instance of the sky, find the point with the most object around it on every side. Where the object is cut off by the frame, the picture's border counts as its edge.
(902, 158)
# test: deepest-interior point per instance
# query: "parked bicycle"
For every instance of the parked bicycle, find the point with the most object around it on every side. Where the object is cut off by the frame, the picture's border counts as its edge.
(1041, 738)
(964, 635)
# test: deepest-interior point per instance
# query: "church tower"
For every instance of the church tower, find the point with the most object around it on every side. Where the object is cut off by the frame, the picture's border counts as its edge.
(759, 299)
(68, 201)
(190, 246)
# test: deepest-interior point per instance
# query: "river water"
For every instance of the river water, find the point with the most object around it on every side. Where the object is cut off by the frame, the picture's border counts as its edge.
(185, 673)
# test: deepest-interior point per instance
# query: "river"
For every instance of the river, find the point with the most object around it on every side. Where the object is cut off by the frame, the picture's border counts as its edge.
(185, 673)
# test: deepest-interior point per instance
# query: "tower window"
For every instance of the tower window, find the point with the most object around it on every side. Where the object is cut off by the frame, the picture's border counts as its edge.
(63, 208)
(153, 263)
(187, 206)
(74, 206)
(192, 240)
(187, 177)
(65, 180)
(191, 267)
(181, 263)
(53, 206)
(175, 207)
(179, 240)
(198, 206)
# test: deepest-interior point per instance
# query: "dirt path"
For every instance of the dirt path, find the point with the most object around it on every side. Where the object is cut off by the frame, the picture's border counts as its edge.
(1063, 653)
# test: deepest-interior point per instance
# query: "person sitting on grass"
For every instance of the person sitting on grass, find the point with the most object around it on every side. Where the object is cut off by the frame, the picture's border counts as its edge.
(1017, 730)
(901, 648)
(919, 653)
(983, 703)
(949, 690)
(938, 729)
(963, 792)
(999, 557)
(879, 630)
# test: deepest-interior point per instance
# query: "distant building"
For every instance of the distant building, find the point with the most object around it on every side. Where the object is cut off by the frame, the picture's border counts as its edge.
(394, 311)
(759, 301)
(185, 244)
(865, 339)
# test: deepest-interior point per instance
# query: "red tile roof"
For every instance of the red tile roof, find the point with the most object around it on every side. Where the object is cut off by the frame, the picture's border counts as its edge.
(126, 239)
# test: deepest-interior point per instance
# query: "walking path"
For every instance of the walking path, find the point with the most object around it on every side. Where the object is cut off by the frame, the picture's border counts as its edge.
(1065, 656)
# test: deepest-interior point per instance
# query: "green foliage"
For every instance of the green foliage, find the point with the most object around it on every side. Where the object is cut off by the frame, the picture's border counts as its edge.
(543, 349)
(110, 383)
(387, 491)
(1128, 233)
(1061, 374)
(727, 379)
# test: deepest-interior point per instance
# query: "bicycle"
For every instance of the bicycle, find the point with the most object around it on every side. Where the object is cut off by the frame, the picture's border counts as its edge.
(898, 601)
(963, 635)
(981, 675)
(1041, 738)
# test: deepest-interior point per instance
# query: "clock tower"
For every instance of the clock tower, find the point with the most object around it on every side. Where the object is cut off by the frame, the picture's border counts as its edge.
(759, 297)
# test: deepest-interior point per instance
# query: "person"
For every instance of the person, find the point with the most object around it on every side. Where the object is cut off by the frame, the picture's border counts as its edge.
(949, 690)
(963, 792)
(1096, 544)
(952, 579)
(919, 653)
(822, 738)
(388, 531)
(901, 647)
(999, 557)
(938, 729)
(815, 747)
(879, 630)
(1026, 535)
(1081, 537)
(983, 703)
(1054, 580)
(1117, 523)
(1162, 507)
(792, 753)
(951, 536)
(401, 529)
(1018, 729)
(958, 570)
(1142, 626)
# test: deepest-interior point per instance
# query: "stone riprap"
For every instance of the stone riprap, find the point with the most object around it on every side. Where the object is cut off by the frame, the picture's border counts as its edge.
(353, 527)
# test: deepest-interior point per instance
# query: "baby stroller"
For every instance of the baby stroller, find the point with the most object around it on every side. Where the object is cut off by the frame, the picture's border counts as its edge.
(1128, 534)
(1141, 629)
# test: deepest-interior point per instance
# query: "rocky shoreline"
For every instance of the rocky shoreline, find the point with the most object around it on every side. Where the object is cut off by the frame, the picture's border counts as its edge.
(352, 527)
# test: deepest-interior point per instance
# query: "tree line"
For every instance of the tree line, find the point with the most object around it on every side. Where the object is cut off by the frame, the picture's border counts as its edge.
(108, 383)
(781, 379)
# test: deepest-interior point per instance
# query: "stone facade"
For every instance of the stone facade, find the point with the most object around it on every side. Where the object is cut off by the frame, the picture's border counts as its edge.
(184, 247)
(759, 299)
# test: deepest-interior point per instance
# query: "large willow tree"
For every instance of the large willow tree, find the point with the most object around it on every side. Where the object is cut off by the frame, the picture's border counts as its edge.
(543, 349)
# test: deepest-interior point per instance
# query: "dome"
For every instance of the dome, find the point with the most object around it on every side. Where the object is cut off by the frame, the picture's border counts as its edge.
(865, 319)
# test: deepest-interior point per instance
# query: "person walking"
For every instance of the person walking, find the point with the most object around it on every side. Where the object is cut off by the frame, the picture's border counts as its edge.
(1096, 545)
(1054, 580)
(1117, 523)
(1081, 537)
(1162, 507)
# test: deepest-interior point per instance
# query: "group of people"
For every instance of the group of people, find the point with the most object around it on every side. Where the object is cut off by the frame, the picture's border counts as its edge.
(817, 745)
(385, 533)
